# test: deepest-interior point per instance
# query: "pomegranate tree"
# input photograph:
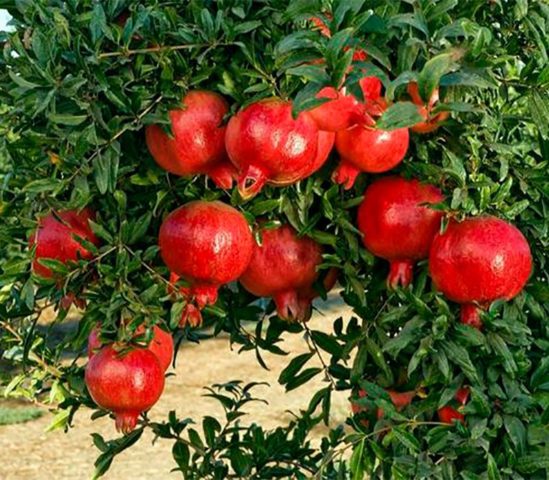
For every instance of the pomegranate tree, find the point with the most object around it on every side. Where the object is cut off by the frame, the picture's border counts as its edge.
(127, 383)
(477, 261)
(398, 224)
(285, 266)
(268, 145)
(198, 142)
(208, 244)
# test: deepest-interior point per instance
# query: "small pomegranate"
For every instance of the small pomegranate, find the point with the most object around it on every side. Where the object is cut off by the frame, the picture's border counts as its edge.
(126, 383)
(432, 121)
(161, 344)
(284, 267)
(56, 238)
(448, 414)
(208, 244)
(364, 148)
(344, 110)
(399, 399)
(477, 261)
(397, 226)
(198, 143)
(268, 145)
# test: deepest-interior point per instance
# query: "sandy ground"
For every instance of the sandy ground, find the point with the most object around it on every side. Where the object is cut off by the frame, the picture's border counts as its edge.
(28, 453)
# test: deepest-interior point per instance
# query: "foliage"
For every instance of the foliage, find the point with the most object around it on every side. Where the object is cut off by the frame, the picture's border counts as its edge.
(78, 86)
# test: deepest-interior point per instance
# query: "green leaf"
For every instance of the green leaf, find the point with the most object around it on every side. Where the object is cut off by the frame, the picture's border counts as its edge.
(432, 72)
(399, 115)
(302, 378)
(407, 439)
(67, 119)
(294, 367)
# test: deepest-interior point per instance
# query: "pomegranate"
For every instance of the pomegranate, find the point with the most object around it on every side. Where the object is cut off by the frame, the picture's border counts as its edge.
(397, 226)
(55, 238)
(284, 267)
(399, 399)
(432, 121)
(161, 344)
(208, 244)
(126, 383)
(344, 110)
(198, 143)
(364, 148)
(324, 148)
(448, 414)
(268, 145)
(477, 261)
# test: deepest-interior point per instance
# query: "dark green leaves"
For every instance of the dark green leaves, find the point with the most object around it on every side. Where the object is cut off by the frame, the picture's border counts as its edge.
(399, 115)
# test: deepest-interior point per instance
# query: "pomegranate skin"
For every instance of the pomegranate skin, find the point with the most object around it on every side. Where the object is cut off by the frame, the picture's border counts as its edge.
(161, 345)
(198, 143)
(56, 239)
(366, 149)
(284, 267)
(432, 121)
(340, 113)
(477, 261)
(325, 146)
(397, 226)
(208, 244)
(449, 415)
(126, 384)
(267, 145)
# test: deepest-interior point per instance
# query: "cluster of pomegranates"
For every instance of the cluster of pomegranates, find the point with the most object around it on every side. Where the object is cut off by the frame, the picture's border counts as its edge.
(208, 244)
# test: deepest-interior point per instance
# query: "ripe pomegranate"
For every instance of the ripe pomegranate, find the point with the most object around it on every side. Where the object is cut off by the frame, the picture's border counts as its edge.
(325, 145)
(208, 244)
(268, 145)
(344, 110)
(477, 261)
(432, 121)
(126, 382)
(364, 148)
(284, 267)
(55, 238)
(161, 344)
(397, 226)
(198, 143)
(448, 414)
(399, 399)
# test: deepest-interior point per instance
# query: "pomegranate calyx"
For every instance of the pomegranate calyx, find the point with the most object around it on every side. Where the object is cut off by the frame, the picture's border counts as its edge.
(190, 316)
(126, 421)
(470, 315)
(345, 174)
(288, 306)
(400, 273)
(251, 181)
(223, 175)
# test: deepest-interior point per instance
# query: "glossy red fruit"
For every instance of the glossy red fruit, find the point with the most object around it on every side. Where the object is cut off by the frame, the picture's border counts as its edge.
(56, 238)
(126, 383)
(340, 113)
(477, 261)
(449, 415)
(284, 267)
(161, 344)
(268, 145)
(462, 395)
(432, 120)
(325, 146)
(397, 225)
(208, 244)
(399, 399)
(367, 149)
(198, 143)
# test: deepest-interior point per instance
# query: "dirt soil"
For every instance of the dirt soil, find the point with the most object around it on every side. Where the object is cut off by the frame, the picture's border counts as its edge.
(29, 453)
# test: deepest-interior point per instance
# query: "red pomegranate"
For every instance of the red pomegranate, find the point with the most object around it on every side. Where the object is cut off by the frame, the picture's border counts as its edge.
(268, 145)
(344, 110)
(161, 344)
(198, 143)
(399, 399)
(326, 142)
(208, 244)
(432, 121)
(448, 414)
(126, 383)
(397, 225)
(364, 148)
(477, 261)
(56, 238)
(284, 267)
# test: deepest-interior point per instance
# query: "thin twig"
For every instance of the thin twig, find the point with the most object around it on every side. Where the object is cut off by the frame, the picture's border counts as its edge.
(159, 49)
(319, 355)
